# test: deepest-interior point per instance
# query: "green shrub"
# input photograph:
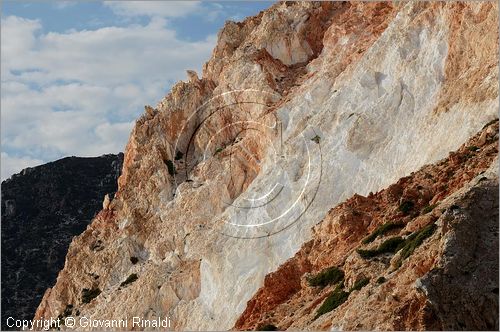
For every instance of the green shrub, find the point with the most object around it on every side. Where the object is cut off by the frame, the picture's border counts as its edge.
(335, 299)
(328, 276)
(90, 294)
(134, 260)
(218, 150)
(388, 246)
(267, 327)
(367, 253)
(406, 207)
(415, 240)
(68, 310)
(130, 279)
(178, 155)
(360, 284)
(381, 230)
(316, 139)
(428, 209)
(66, 313)
(170, 167)
(472, 148)
(381, 280)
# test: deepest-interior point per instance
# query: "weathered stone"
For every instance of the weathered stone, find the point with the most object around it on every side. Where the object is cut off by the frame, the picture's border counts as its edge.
(307, 103)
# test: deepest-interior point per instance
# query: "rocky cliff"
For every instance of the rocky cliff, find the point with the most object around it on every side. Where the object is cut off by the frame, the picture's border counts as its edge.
(447, 280)
(42, 209)
(299, 108)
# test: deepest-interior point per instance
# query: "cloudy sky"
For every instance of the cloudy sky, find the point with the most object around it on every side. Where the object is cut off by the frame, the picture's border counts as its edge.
(75, 75)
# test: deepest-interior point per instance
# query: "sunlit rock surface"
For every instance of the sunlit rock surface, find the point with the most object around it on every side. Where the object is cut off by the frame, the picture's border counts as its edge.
(449, 282)
(299, 108)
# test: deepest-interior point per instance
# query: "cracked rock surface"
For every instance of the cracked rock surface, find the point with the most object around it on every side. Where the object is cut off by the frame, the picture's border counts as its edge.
(299, 108)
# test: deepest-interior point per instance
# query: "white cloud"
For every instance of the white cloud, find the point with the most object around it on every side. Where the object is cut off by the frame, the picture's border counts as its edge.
(11, 165)
(64, 4)
(153, 8)
(18, 36)
(108, 55)
(78, 92)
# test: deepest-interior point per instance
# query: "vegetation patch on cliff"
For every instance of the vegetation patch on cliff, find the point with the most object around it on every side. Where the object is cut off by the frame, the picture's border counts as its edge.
(414, 241)
(179, 155)
(267, 327)
(339, 296)
(335, 299)
(428, 208)
(381, 230)
(360, 284)
(130, 279)
(395, 244)
(170, 167)
(328, 276)
(406, 207)
(90, 294)
(391, 245)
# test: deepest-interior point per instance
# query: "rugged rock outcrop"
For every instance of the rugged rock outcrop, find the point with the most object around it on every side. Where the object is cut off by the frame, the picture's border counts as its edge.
(43, 208)
(449, 281)
(299, 108)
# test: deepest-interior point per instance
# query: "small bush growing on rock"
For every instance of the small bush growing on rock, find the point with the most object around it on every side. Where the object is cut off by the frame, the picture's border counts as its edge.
(218, 150)
(328, 276)
(415, 240)
(472, 148)
(360, 284)
(134, 260)
(267, 327)
(366, 253)
(381, 230)
(388, 246)
(381, 280)
(178, 155)
(428, 208)
(316, 139)
(90, 294)
(130, 279)
(170, 167)
(67, 312)
(406, 207)
(335, 299)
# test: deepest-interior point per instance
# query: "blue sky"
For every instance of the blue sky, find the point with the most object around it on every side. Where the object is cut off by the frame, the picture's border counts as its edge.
(76, 74)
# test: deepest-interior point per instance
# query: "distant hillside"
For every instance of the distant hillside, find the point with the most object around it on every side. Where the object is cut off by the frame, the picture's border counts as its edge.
(42, 209)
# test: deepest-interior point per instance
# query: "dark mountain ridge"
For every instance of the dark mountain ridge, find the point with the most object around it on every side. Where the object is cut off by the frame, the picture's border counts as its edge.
(43, 207)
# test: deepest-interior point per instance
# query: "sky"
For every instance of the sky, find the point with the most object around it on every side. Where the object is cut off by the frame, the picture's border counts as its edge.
(76, 74)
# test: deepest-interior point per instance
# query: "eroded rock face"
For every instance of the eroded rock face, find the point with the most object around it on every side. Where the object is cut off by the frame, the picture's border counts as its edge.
(450, 282)
(43, 207)
(299, 108)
